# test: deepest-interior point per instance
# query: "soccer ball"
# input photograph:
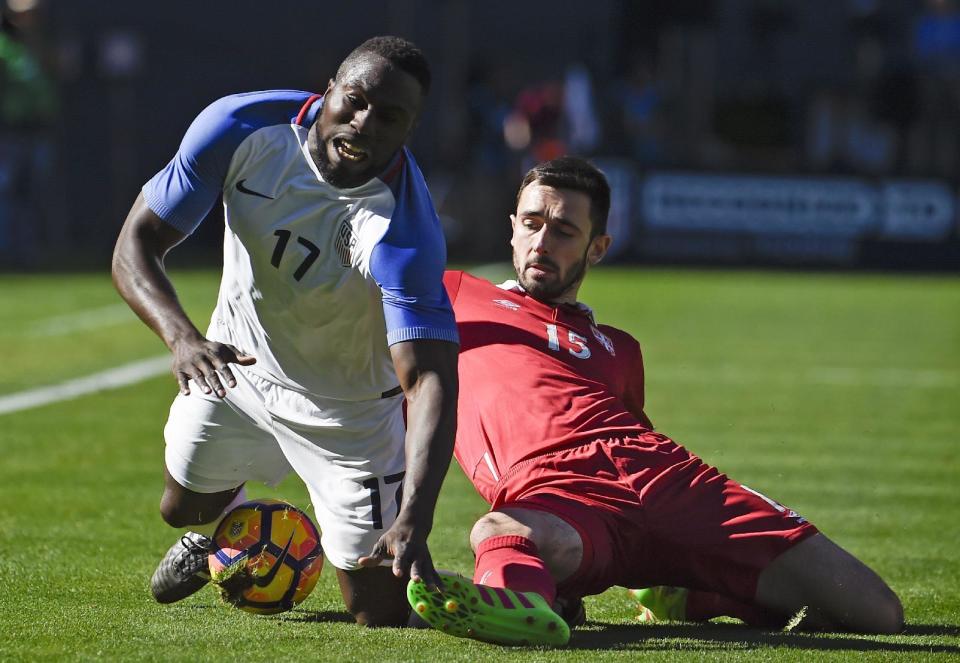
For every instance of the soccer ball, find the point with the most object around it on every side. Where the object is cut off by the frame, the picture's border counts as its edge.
(267, 556)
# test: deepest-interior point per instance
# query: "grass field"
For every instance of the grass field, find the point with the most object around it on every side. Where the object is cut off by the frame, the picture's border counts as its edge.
(837, 394)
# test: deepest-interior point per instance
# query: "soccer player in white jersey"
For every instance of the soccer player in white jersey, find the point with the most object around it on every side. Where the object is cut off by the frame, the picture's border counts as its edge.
(331, 311)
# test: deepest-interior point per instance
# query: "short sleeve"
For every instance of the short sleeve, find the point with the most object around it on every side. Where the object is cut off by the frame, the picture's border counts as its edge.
(184, 192)
(408, 263)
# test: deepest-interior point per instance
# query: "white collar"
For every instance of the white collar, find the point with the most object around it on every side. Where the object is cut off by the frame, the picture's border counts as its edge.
(514, 286)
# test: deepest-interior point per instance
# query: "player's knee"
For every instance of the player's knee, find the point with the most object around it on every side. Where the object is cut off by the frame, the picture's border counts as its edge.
(888, 614)
(895, 620)
(495, 523)
(185, 510)
(380, 614)
(379, 619)
(174, 514)
(374, 597)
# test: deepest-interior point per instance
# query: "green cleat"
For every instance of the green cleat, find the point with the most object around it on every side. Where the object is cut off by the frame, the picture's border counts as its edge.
(490, 614)
(660, 604)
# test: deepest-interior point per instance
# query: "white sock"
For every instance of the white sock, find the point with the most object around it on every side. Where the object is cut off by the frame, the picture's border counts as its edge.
(209, 529)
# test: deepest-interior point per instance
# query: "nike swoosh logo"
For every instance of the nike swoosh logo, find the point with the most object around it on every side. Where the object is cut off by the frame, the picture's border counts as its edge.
(250, 192)
(263, 581)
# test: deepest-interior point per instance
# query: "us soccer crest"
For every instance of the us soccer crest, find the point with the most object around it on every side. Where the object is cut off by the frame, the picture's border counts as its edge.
(345, 243)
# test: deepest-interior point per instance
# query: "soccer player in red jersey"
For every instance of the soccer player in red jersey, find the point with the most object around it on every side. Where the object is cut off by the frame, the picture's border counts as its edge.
(585, 494)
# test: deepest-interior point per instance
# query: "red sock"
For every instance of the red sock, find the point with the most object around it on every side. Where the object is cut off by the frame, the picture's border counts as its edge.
(513, 562)
(702, 606)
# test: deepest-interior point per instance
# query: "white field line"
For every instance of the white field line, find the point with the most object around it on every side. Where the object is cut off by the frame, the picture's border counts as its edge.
(95, 318)
(120, 376)
(836, 376)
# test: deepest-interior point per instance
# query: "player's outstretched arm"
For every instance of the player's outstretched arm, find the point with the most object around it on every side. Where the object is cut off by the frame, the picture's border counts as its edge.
(428, 375)
(140, 277)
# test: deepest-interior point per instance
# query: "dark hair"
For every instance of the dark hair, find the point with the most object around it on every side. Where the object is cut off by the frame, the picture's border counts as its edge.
(402, 54)
(576, 174)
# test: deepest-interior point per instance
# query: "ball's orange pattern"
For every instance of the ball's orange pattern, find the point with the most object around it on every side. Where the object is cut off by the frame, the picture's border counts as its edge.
(249, 542)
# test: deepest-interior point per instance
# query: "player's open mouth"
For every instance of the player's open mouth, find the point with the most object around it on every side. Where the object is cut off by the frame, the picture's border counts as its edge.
(348, 150)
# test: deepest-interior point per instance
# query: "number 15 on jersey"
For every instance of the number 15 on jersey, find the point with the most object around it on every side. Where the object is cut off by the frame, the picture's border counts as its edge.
(576, 341)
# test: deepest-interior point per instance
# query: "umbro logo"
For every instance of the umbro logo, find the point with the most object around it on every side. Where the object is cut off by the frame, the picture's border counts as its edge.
(250, 192)
(507, 304)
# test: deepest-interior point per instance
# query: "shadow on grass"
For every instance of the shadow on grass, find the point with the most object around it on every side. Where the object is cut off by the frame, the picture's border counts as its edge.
(297, 615)
(319, 616)
(734, 637)
(933, 629)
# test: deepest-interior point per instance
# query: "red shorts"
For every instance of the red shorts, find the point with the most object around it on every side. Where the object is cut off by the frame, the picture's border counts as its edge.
(651, 513)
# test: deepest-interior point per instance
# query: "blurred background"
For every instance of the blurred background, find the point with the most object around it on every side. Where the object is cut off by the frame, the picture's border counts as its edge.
(822, 133)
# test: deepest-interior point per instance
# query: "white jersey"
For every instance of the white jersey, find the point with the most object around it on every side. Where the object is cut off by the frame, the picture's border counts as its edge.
(317, 281)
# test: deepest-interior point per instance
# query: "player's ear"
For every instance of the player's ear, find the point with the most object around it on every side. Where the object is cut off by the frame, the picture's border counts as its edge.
(598, 248)
(330, 85)
(513, 227)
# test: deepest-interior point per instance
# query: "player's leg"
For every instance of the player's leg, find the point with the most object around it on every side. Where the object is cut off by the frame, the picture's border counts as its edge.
(511, 597)
(184, 569)
(665, 603)
(815, 575)
(182, 507)
(838, 590)
(492, 614)
(555, 528)
(740, 548)
(527, 552)
(351, 457)
(810, 573)
(375, 597)
(212, 447)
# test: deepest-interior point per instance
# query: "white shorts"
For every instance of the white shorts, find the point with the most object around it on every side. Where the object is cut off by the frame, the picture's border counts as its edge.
(349, 454)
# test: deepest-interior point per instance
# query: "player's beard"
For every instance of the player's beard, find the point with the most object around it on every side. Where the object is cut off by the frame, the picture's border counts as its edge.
(549, 291)
(331, 174)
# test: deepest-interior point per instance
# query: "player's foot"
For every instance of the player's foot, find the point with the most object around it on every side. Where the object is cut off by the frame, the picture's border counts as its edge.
(660, 604)
(183, 570)
(490, 614)
(573, 611)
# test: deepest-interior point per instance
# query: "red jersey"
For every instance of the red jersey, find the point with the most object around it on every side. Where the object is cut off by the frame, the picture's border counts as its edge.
(536, 377)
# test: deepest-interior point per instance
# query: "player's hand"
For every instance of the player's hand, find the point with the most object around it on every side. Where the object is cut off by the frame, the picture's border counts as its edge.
(409, 553)
(207, 363)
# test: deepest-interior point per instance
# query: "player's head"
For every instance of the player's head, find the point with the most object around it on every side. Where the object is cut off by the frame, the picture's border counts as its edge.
(401, 53)
(369, 110)
(559, 227)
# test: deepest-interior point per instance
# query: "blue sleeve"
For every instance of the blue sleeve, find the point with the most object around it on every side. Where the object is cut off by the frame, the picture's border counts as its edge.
(188, 187)
(408, 264)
